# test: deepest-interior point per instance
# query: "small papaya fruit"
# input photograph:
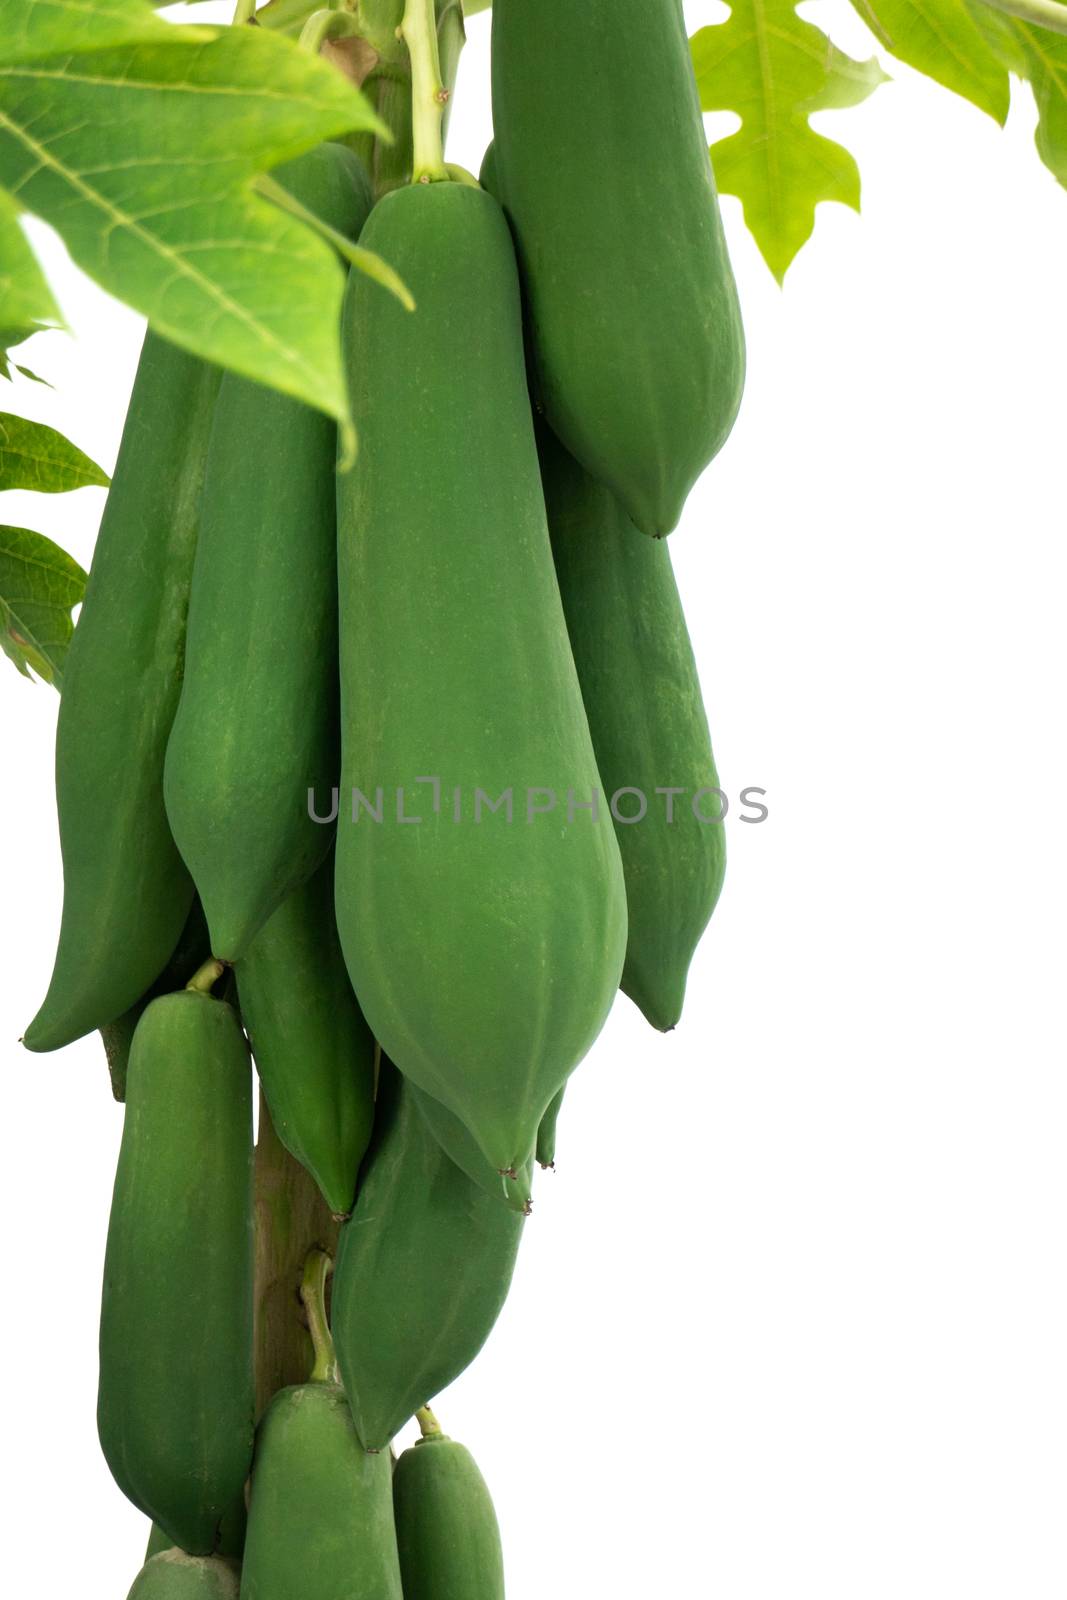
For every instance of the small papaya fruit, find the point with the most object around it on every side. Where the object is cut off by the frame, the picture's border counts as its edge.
(446, 1525)
(461, 1146)
(191, 951)
(602, 166)
(172, 1575)
(126, 890)
(256, 727)
(485, 943)
(320, 1520)
(423, 1269)
(175, 1407)
(546, 1134)
(314, 1052)
(650, 731)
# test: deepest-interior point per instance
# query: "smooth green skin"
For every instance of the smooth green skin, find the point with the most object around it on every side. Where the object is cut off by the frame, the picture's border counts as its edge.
(257, 723)
(422, 1271)
(462, 1148)
(642, 693)
(546, 1133)
(126, 892)
(190, 953)
(175, 1405)
(313, 1050)
(605, 176)
(446, 1527)
(173, 1575)
(320, 1521)
(485, 955)
(231, 1534)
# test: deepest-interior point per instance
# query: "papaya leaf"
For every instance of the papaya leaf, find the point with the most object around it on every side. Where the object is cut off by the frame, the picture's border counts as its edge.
(1042, 58)
(773, 71)
(36, 28)
(26, 301)
(472, 7)
(39, 587)
(34, 456)
(144, 159)
(942, 39)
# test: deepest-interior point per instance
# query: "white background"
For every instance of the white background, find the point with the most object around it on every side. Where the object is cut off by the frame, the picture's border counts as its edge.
(791, 1319)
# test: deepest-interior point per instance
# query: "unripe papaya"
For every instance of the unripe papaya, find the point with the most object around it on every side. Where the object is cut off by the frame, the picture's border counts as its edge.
(446, 1526)
(461, 1147)
(603, 170)
(546, 1134)
(484, 947)
(423, 1269)
(256, 727)
(650, 732)
(320, 1521)
(175, 1406)
(126, 891)
(190, 953)
(313, 1050)
(172, 1575)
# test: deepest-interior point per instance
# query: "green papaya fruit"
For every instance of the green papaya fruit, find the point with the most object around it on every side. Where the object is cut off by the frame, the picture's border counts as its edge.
(126, 891)
(175, 1407)
(172, 1575)
(603, 169)
(642, 695)
(231, 1534)
(190, 953)
(546, 1134)
(446, 1526)
(256, 727)
(484, 950)
(313, 1050)
(320, 1520)
(462, 1148)
(423, 1269)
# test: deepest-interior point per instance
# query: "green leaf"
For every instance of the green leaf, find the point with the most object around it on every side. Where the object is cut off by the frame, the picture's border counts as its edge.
(942, 39)
(34, 456)
(35, 28)
(774, 71)
(144, 160)
(26, 301)
(1042, 57)
(39, 587)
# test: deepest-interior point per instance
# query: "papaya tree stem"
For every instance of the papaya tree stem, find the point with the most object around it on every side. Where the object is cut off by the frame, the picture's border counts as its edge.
(204, 980)
(429, 1426)
(246, 10)
(317, 1269)
(428, 93)
(1041, 13)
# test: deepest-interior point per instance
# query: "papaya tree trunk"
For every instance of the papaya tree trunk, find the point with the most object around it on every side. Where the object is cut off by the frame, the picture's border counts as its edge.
(291, 1220)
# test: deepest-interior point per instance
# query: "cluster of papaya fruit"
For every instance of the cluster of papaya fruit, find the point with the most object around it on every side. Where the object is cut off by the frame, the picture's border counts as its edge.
(485, 596)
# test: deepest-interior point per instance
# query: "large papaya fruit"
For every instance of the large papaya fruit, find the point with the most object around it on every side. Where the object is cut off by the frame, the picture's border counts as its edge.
(314, 1052)
(175, 1406)
(446, 1525)
(646, 715)
(190, 953)
(603, 170)
(256, 727)
(320, 1520)
(126, 891)
(423, 1269)
(172, 1575)
(484, 945)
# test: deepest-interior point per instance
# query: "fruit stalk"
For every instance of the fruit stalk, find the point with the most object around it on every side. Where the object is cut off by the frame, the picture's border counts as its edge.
(428, 93)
